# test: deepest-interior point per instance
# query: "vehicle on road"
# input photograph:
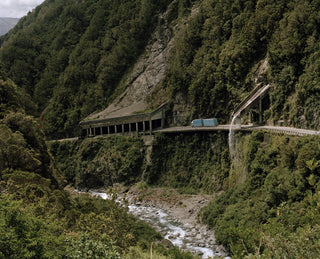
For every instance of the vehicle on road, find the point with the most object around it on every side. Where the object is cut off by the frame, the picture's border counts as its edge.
(204, 122)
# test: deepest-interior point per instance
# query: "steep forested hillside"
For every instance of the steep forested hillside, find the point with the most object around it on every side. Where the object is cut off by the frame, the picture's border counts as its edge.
(218, 53)
(40, 219)
(270, 207)
(70, 56)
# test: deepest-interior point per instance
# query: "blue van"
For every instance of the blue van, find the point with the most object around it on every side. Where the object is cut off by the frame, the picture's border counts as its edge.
(204, 122)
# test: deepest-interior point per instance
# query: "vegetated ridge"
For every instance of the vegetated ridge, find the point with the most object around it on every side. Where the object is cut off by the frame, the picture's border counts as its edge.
(72, 58)
(75, 58)
(39, 218)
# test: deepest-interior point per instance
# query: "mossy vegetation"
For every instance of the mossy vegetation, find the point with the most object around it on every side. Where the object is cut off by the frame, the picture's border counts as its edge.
(41, 219)
(192, 163)
(100, 162)
(70, 57)
(277, 202)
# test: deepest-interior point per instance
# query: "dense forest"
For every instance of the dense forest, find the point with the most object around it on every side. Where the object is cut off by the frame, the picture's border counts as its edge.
(67, 59)
(269, 194)
(39, 218)
(70, 56)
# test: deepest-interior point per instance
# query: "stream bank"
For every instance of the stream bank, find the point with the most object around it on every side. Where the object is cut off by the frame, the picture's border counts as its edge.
(174, 215)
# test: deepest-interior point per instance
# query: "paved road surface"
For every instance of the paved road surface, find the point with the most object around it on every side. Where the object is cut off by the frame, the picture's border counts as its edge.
(226, 127)
(285, 130)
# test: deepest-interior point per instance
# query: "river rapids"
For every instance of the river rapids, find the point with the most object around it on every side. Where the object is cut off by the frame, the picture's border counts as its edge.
(187, 237)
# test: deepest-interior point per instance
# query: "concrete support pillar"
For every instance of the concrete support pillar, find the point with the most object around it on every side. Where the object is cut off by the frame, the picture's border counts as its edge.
(122, 128)
(150, 126)
(115, 129)
(144, 127)
(88, 132)
(101, 132)
(129, 127)
(162, 119)
(108, 127)
(260, 110)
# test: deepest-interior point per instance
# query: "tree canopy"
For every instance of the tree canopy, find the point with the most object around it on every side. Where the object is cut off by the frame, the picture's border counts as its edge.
(69, 56)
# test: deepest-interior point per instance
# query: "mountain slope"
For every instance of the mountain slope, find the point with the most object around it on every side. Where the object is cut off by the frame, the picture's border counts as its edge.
(74, 58)
(40, 219)
(219, 51)
(145, 75)
(70, 56)
(6, 24)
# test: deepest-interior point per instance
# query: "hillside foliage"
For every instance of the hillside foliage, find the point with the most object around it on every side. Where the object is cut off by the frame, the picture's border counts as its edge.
(217, 54)
(41, 219)
(101, 162)
(66, 59)
(191, 163)
(274, 212)
(70, 55)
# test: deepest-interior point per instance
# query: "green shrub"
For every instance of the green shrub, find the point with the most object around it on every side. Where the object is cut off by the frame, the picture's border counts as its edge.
(277, 200)
(100, 162)
(189, 162)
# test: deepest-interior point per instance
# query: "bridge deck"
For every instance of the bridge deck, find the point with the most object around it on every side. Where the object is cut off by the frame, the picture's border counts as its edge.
(193, 129)
(285, 130)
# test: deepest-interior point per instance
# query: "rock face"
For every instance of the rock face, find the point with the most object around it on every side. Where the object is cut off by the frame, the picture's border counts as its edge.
(145, 78)
(146, 74)
(6, 24)
(181, 111)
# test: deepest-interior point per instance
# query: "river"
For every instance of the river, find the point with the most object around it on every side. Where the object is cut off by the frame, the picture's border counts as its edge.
(186, 235)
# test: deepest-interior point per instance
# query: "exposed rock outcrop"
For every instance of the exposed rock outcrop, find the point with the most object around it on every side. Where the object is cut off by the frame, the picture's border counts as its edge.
(146, 74)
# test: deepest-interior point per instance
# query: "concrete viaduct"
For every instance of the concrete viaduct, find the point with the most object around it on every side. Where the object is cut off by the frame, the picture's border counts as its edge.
(153, 122)
(144, 123)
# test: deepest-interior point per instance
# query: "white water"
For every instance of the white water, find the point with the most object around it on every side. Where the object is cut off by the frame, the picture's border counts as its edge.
(231, 137)
(173, 231)
(180, 235)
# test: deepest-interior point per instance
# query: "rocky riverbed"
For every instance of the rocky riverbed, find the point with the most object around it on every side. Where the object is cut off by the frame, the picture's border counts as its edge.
(174, 215)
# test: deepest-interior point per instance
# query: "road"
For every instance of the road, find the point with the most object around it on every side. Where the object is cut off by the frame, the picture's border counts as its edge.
(285, 130)
(226, 127)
